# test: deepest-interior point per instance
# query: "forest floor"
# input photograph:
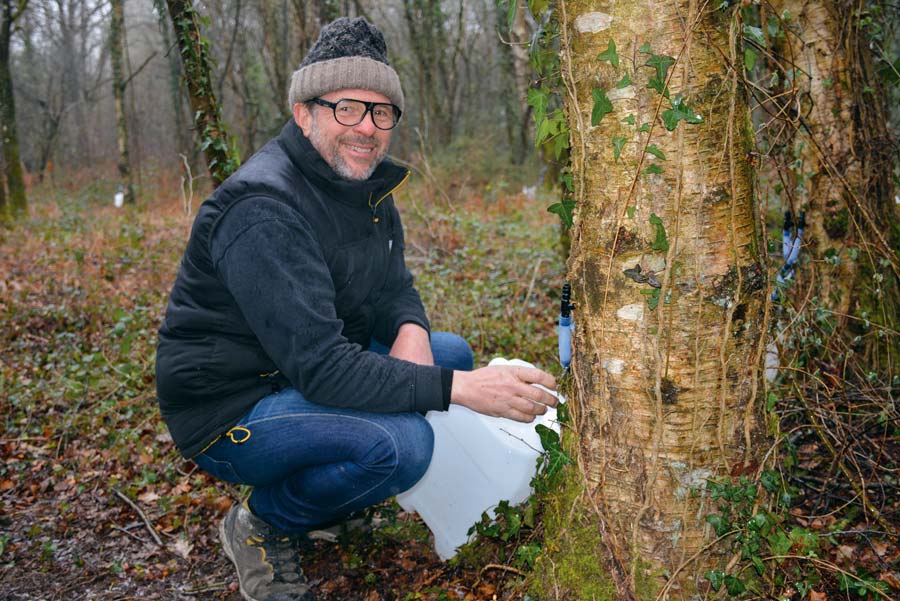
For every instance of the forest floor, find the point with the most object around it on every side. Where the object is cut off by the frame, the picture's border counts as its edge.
(96, 503)
(89, 468)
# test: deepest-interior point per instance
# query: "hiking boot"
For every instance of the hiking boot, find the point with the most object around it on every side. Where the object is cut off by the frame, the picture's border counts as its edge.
(355, 523)
(267, 560)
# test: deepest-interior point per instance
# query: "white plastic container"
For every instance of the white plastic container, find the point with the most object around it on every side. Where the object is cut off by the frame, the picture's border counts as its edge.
(478, 461)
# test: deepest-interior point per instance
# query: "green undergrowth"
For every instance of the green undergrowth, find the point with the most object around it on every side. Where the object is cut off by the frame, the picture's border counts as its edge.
(488, 270)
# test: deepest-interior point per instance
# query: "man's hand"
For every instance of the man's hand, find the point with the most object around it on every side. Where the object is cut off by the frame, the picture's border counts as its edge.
(504, 391)
(412, 344)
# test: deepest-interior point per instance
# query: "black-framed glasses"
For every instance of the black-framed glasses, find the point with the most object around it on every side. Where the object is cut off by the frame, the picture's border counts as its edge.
(350, 112)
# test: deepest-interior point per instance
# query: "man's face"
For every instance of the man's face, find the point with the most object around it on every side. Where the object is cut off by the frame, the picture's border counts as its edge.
(352, 151)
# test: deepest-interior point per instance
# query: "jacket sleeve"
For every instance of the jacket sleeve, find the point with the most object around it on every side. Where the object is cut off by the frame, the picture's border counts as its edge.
(270, 260)
(400, 302)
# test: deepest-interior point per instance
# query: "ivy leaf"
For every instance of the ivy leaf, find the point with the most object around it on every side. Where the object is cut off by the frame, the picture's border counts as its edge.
(661, 63)
(645, 48)
(652, 295)
(511, 12)
(538, 99)
(755, 34)
(556, 457)
(779, 542)
(653, 169)
(716, 579)
(734, 585)
(652, 149)
(679, 112)
(552, 126)
(618, 143)
(718, 523)
(629, 120)
(644, 128)
(630, 211)
(564, 209)
(602, 105)
(610, 54)
(549, 437)
(662, 241)
(750, 57)
(624, 82)
(758, 564)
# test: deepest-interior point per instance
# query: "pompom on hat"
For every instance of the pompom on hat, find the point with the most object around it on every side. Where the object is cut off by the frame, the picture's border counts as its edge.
(349, 54)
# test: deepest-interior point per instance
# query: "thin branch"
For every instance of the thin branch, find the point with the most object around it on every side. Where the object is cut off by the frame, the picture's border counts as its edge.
(142, 515)
(139, 69)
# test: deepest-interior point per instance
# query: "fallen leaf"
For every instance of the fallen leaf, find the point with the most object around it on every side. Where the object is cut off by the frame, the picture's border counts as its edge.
(182, 547)
(846, 551)
(880, 547)
(892, 579)
(148, 497)
(817, 596)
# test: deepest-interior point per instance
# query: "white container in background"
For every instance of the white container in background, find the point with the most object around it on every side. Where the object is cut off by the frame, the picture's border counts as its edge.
(478, 461)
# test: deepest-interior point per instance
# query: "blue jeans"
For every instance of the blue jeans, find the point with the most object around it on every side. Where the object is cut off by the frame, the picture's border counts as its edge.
(311, 465)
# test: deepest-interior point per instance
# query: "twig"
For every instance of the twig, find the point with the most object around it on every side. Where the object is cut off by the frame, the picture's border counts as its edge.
(125, 530)
(187, 199)
(142, 515)
(825, 564)
(499, 566)
(534, 275)
(216, 586)
(851, 478)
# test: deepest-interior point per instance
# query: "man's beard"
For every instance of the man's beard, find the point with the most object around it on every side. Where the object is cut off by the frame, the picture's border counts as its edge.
(330, 151)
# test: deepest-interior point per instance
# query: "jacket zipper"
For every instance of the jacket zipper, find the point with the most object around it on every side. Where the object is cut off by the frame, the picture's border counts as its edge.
(385, 195)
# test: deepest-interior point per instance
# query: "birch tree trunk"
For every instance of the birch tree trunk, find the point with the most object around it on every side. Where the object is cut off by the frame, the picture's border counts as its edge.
(842, 169)
(116, 52)
(666, 271)
(15, 179)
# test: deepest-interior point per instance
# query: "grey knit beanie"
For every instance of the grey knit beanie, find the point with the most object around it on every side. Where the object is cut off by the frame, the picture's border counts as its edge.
(350, 53)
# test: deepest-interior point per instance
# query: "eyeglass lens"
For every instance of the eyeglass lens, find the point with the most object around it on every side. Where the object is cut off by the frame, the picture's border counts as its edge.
(351, 112)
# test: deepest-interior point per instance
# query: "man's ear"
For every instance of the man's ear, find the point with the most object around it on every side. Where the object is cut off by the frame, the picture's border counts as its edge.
(302, 116)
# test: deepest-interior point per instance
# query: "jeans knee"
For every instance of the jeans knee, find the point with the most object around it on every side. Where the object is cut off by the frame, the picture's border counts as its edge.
(414, 454)
(452, 351)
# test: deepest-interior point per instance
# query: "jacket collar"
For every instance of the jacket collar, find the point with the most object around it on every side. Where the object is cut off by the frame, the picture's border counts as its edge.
(307, 159)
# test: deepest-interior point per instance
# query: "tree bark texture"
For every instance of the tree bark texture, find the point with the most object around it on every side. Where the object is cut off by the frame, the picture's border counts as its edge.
(666, 270)
(522, 73)
(842, 166)
(220, 158)
(15, 179)
(116, 52)
(176, 92)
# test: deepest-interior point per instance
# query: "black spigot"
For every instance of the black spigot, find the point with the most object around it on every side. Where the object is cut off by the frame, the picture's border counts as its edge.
(565, 305)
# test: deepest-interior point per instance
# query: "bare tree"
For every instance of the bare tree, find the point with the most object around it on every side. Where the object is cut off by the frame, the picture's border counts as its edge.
(437, 53)
(117, 49)
(15, 179)
(221, 159)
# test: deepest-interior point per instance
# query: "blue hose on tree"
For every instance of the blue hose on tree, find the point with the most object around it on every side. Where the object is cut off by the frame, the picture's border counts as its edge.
(790, 248)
